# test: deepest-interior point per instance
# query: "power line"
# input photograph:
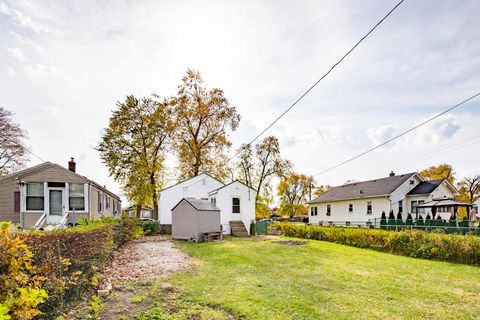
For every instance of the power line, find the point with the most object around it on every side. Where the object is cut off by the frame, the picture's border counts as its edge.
(398, 136)
(33, 154)
(324, 76)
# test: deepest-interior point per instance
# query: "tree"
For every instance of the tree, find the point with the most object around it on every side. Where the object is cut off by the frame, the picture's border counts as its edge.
(442, 171)
(257, 168)
(321, 190)
(293, 191)
(13, 151)
(134, 145)
(202, 118)
(469, 189)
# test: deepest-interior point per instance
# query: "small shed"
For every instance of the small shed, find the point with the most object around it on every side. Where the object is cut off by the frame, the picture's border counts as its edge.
(191, 218)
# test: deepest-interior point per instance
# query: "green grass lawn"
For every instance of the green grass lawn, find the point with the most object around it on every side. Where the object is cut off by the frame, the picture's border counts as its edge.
(256, 279)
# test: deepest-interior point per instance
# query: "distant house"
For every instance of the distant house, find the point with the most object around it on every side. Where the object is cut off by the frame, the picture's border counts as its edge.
(235, 200)
(49, 194)
(366, 200)
(145, 212)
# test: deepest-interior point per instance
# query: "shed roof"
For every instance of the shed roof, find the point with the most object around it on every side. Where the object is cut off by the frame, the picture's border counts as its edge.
(199, 205)
(364, 189)
(426, 187)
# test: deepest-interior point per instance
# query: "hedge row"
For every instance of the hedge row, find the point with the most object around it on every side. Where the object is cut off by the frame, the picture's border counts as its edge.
(412, 243)
(70, 260)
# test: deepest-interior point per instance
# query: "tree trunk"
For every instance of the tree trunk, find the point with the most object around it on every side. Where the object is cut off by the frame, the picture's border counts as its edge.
(154, 196)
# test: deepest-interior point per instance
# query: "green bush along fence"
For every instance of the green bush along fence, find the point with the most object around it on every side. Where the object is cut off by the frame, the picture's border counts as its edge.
(436, 246)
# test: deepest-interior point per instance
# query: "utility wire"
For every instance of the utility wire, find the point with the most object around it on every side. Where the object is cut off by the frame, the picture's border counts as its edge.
(398, 136)
(323, 77)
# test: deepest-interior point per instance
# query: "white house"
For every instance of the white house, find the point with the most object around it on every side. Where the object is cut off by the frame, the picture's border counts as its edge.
(364, 201)
(235, 200)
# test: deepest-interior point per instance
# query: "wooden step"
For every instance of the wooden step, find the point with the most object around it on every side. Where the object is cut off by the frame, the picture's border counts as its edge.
(238, 229)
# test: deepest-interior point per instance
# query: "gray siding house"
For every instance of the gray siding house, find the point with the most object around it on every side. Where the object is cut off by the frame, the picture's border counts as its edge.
(49, 194)
(192, 217)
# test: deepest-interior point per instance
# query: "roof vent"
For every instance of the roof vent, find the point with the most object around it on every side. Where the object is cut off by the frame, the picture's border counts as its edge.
(392, 174)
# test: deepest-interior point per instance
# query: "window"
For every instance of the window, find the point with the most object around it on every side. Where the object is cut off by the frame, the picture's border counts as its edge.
(146, 214)
(329, 210)
(313, 211)
(100, 202)
(421, 210)
(350, 207)
(76, 198)
(35, 200)
(214, 201)
(400, 206)
(412, 182)
(414, 205)
(369, 207)
(107, 202)
(235, 205)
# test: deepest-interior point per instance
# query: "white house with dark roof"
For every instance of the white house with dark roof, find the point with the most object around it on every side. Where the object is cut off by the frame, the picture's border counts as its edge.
(362, 201)
(235, 200)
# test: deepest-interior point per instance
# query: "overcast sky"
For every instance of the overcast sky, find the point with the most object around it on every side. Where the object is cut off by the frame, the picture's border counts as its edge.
(63, 66)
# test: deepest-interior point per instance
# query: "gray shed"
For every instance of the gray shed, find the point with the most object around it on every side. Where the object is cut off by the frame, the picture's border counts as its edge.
(193, 217)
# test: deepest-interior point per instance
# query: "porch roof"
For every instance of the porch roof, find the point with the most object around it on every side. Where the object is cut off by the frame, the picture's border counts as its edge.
(444, 202)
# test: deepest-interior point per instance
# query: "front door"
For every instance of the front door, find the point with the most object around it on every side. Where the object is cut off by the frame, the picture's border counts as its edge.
(56, 202)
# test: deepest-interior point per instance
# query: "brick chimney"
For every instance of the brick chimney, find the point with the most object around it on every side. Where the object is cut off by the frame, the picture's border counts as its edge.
(392, 174)
(72, 166)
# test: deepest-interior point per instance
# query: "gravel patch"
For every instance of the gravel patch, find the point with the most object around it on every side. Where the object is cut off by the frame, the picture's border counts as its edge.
(146, 258)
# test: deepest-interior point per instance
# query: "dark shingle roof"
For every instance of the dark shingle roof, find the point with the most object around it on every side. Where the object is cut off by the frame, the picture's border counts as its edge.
(425, 187)
(371, 188)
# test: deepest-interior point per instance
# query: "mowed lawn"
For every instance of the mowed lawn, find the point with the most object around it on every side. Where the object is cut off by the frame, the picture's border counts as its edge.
(257, 279)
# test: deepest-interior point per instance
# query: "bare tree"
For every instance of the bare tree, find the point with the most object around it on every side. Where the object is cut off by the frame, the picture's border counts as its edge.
(13, 152)
(469, 188)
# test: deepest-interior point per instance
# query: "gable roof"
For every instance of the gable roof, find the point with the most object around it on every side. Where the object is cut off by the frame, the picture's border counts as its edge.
(46, 165)
(203, 173)
(364, 189)
(199, 205)
(228, 184)
(426, 187)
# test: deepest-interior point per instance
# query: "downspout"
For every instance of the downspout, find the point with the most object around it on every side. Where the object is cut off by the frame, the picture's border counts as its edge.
(89, 201)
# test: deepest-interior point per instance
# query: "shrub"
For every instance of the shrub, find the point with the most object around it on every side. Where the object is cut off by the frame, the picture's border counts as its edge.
(383, 221)
(20, 283)
(418, 244)
(409, 221)
(150, 227)
(253, 228)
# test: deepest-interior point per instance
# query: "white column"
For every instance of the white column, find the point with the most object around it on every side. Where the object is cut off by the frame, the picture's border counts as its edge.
(46, 199)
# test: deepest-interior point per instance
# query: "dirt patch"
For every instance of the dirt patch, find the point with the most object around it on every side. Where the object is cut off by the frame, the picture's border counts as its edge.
(291, 242)
(146, 258)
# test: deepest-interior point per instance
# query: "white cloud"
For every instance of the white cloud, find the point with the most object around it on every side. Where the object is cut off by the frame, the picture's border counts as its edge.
(378, 135)
(17, 53)
(22, 20)
(40, 72)
(11, 72)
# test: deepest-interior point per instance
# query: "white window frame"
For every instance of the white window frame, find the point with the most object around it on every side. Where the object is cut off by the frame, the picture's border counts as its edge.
(350, 207)
(369, 204)
(329, 210)
(45, 197)
(239, 204)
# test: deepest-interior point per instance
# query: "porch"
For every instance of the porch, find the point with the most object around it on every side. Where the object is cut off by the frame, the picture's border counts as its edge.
(52, 203)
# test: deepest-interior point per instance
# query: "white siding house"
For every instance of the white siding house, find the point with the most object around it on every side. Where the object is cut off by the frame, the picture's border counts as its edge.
(235, 200)
(357, 203)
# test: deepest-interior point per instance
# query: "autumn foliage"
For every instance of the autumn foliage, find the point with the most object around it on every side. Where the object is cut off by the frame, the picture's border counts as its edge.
(41, 272)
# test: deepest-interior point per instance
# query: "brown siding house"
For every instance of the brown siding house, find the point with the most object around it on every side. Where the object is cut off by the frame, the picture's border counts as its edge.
(51, 194)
